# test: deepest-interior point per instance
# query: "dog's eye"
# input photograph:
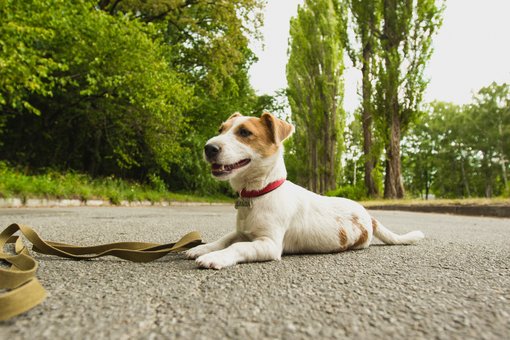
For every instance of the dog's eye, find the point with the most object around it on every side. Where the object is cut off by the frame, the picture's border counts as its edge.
(244, 132)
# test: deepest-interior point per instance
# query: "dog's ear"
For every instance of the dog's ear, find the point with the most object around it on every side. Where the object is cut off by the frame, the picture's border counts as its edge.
(234, 115)
(279, 130)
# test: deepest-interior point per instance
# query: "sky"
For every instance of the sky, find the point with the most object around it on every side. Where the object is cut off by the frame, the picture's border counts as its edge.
(471, 50)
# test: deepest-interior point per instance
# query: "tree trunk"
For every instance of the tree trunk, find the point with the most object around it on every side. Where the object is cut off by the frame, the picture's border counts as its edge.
(326, 155)
(487, 169)
(503, 173)
(393, 186)
(464, 179)
(502, 156)
(366, 120)
(354, 175)
(314, 171)
(333, 144)
(427, 184)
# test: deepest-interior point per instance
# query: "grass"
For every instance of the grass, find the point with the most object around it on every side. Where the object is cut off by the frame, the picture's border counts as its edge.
(453, 201)
(55, 185)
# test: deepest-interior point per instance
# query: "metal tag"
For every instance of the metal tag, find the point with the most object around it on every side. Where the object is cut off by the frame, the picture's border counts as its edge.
(243, 203)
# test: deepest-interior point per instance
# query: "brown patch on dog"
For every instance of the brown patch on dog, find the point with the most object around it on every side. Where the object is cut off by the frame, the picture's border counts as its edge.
(226, 125)
(364, 234)
(343, 239)
(374, 224)
(342, 234)
(260, 138)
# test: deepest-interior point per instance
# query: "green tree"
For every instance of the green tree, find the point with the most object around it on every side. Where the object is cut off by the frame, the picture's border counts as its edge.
(461, 151)
(25, 69)
(314, 71)
(366, 17)
(209, 46)
(421, 147)
(406, 46)
(353, 156)
(130, 88)
(108, 101)
(209, 38)
(489, 134)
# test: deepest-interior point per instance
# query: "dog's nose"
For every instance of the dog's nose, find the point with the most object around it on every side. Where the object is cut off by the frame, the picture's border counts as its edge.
(211, 151)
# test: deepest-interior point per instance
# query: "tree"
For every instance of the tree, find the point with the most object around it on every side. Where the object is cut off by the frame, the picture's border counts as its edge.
(108, 102)
(490, 133)
(209, 38)
(129, 88)
(366, 17)
(406, 47)
(353, 156)
(314, 70)
(461, 151)
(25, 69)
(209, 46)
(422, 147)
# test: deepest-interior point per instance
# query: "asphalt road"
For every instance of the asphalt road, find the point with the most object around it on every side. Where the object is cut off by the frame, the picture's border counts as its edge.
(455, 284)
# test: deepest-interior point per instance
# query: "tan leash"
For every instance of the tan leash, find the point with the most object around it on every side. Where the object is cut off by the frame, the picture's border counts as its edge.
(24, 291)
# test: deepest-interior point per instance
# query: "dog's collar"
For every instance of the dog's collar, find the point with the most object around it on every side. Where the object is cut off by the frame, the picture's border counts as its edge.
(267, 189)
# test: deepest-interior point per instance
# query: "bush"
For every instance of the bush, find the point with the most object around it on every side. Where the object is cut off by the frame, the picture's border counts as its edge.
(356, 193)
(506, 192)
(52, 184)
(106, 96)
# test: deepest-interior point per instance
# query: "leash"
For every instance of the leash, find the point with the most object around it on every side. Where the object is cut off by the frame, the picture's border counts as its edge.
(24, 291)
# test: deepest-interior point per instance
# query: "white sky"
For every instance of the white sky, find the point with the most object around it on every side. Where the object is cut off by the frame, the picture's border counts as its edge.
(472, 50)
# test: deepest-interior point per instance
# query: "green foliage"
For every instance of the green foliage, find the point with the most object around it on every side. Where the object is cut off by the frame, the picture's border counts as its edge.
(114, 102)
(24, 67)
(209, 43)
(363, 47)
(57, 185)
(461, 151)
(126, 88)
(406, 47)
(210, 38)
(392, 43)
(314, 70)
(353, 192)
(354, 157)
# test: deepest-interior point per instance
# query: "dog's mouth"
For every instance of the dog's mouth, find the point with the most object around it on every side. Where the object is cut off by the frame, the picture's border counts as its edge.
(219, 170)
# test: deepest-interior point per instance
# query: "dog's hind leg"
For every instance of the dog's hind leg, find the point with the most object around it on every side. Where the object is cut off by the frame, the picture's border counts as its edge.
(364, 237)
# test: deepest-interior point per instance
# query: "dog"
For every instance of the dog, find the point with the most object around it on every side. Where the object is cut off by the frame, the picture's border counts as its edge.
(274, 215)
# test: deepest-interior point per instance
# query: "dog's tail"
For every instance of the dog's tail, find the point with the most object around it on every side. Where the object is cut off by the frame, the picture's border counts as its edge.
(389, 237)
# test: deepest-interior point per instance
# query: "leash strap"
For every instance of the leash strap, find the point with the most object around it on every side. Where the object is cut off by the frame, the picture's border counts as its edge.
(24, 291)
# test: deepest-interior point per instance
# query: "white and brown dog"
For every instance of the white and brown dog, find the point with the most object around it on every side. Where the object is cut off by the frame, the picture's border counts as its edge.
(274, 215)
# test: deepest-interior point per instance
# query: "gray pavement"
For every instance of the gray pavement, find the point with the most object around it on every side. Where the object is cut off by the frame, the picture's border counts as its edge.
(454, 284)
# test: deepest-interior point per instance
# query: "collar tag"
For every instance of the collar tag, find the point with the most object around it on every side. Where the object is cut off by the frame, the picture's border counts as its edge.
(244, 203)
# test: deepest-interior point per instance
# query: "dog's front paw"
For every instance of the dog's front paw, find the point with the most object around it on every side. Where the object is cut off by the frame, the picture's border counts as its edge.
(197, 251)
(215, 260)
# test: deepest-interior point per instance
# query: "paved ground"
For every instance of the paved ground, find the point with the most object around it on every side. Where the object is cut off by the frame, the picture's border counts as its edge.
(453, 285)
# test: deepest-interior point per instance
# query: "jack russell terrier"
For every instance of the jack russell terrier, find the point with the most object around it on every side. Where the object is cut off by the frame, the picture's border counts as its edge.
(276, 216)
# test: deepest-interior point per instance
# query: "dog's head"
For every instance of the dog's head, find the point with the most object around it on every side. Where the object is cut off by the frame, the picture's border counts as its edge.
(244, 143)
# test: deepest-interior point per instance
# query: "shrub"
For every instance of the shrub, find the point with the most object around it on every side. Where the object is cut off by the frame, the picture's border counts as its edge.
(356, 193)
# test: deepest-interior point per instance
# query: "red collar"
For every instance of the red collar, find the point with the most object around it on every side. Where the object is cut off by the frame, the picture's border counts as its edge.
(256, 193)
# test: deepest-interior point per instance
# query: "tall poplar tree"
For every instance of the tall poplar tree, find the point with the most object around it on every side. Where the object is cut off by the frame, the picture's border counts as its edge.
(314, 75)
(406, 46)
(366, 18)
